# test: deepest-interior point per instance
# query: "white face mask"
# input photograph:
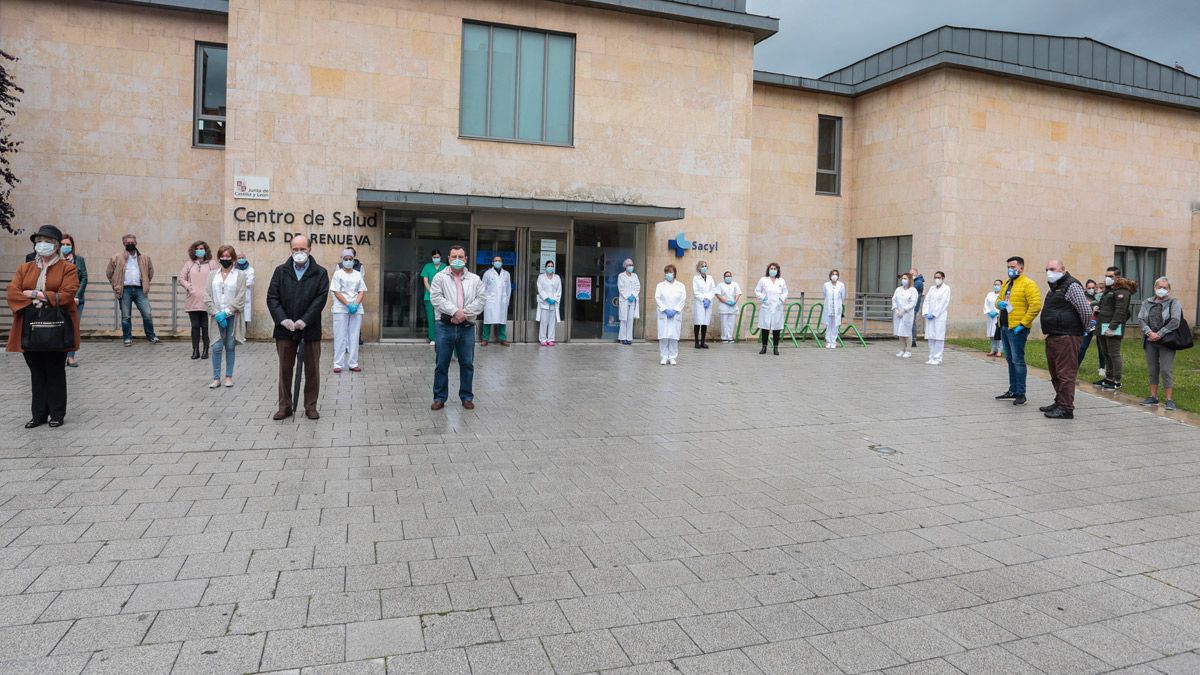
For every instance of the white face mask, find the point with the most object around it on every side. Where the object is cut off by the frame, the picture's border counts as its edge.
(299, 257)
(1053, 277)
(833, 277)
(44, 248)
(1162, 292)
(904, 283)
(937, 282)
(1109, 281)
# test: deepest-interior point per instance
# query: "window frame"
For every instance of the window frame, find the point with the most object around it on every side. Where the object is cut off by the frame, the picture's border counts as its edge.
(864, 274)
(487, 118)
(836, 171)
(198, 96)
(1121, 255)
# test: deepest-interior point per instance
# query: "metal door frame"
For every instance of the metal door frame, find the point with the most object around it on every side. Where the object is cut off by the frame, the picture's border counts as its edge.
(523, 327)
(568, 232)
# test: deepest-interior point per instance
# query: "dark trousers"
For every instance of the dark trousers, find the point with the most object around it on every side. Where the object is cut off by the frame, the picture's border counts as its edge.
(199, 329)
(1087, 342)
(774, 334)
(1110, 347)
(453, 338)
(286, 349)
(1014, 354)
(48, 380)
(1062, 355)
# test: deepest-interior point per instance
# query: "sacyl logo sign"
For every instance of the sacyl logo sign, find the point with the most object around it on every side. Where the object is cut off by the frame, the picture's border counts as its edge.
(681, 244)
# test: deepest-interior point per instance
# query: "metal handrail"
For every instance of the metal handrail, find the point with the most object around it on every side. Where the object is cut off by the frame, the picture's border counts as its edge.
(99, 302)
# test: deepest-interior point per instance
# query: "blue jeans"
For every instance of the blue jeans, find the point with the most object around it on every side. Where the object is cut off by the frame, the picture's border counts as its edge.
(1014, 354)
(79, 316)
(133, 295)
(453, 338)
(225, 344)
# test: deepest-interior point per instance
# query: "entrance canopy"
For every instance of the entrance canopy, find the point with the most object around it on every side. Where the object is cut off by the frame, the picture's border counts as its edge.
(395, 199)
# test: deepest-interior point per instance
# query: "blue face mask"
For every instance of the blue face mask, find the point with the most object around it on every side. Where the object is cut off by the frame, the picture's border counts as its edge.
(348, 264)
(498, 264)
(549, 270)
(1012, 274)
(458, 264)
(629, 269)
(65, 249)
(703, 270)
(996, 288)
(773, 272)
(199, 253)
(729, 280)
(670, 276)
(242, 263)
(437, 260)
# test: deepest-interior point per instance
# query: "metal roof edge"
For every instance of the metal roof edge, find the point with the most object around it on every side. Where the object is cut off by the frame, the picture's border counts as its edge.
(762, 27)
(407, 199)
(220, 7)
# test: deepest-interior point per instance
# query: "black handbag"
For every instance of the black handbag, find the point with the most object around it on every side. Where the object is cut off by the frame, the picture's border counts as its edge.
(47, 328)
(1179, 339)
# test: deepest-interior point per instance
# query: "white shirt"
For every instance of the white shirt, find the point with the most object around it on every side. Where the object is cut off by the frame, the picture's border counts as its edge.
(133, 271)
(223, 290)
(729, 291)
(349, 283)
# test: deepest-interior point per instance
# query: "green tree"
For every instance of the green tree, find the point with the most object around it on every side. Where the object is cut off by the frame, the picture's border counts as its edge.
(8, 147)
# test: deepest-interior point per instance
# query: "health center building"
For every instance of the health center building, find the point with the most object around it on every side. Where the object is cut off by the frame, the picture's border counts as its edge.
(587, 132)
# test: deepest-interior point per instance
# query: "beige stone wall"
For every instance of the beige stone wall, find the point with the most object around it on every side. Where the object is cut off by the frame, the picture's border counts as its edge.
(106, 124)
(328, 97)
(791, 224)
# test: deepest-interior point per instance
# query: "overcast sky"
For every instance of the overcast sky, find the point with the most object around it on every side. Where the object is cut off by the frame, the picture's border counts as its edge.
(816, 38)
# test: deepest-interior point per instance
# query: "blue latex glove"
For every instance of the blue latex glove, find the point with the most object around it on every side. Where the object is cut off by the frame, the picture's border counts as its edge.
(1091, 324)
(550, 301)
(220, 317)
(670, 313)
(1018, 330)
(707, 304)
(1003, 304)
(633, 298)
(731, 303)
(993, 314)
(929, 317)
(352, 308)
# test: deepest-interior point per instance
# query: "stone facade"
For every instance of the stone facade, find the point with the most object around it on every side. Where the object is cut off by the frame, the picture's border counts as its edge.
(330, 96)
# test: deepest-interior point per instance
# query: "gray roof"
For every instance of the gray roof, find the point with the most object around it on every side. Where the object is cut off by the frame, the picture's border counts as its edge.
(1078, 63)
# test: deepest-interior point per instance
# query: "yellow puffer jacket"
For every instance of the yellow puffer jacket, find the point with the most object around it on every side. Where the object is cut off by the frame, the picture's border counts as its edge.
(1026, 301)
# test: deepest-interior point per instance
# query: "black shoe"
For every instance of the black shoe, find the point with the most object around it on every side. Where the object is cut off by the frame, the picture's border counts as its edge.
(195, 354)
(763, 350)
(1060, 414)
(54, 424)
(1019, 399)
(204, 354)
(1109, 385)
(776, 350)
(1100, 382)
(695, 345)
(703, 345)
(155, 341)
(1006, 395)
(33, 424)
(1048, 408)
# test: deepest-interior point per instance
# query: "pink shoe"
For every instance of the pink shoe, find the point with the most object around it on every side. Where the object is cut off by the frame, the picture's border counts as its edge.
(544, 343)
(550, 343)
(355, 369)
(337, 370)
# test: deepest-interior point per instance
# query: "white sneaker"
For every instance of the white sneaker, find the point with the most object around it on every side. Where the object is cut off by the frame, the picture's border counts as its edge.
(930, 363)
(432, 342)
(906, 355)
(673, 362)
(938, 362)
(899, 354)
(662, 362)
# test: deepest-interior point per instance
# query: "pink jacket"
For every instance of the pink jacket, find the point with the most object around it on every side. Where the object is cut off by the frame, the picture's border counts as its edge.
(193, 278)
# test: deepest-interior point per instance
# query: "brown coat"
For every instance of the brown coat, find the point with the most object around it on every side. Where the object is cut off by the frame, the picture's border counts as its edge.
(116, 272)
(61, 277)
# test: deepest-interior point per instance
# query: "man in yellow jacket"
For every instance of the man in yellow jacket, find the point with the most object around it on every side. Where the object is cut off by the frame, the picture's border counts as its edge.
(1019, 303)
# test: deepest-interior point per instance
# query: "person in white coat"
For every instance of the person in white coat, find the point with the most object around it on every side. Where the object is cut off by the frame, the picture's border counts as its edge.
(670, 297)
(729, 294)
(831, 314)
(347, 287)
(497, 287)
(992, 312)
(549, 294)
(904, 303)
(244, 265)
(936, 308)
(629, 290)
(772, 294)
(704, 293)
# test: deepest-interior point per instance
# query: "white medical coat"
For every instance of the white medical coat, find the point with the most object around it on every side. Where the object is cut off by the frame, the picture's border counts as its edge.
(989, 305)
(772, 295)
(937, 303)
(703, 288)
(728, 291)
(904, 300)
(831, 306)
(627, 285)
(670, 295)
(549, 287)
(497, 286)
(249, 284)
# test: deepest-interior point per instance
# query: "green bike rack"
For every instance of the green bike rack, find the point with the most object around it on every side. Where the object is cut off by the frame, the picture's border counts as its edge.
(754, 325)
(809, 329)
(850, 327)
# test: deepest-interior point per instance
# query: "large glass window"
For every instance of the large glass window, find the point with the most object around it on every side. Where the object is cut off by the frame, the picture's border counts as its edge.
(409, 241)
(880, 261)
(517, 84)
(829, 155)
(600, 250)
(208, 128)
(1143, 265)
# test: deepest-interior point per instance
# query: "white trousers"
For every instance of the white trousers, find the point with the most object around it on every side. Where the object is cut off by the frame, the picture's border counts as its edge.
(346, 328)
(832, 324)
(546, 328)
(626, 330)
(935, 350)
(728, 322)
(668, 349)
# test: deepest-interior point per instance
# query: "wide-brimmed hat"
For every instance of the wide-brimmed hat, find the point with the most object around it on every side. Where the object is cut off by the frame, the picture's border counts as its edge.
(47, 231)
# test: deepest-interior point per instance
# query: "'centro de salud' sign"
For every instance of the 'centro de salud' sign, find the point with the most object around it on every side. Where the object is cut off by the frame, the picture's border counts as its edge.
(353, 219)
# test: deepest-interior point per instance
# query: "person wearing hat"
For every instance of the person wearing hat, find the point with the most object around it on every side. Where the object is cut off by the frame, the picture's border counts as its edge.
(347, 287)
(45, 280)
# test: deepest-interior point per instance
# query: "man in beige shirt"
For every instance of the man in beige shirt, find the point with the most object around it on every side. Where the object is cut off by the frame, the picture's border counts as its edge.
(458, 297)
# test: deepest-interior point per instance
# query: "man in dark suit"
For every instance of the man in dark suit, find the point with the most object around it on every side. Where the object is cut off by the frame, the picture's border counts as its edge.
(297, 295)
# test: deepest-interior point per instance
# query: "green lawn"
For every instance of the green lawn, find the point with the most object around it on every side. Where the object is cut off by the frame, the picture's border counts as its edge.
(1133, 380)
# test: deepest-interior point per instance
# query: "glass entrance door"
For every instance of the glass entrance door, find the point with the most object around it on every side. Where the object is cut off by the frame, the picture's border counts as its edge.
(492, 242)
(543, 246)
(409, 241)
(599, 251)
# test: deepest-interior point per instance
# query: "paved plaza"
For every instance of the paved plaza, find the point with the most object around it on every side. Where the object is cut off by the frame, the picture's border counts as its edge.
(596, 512)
